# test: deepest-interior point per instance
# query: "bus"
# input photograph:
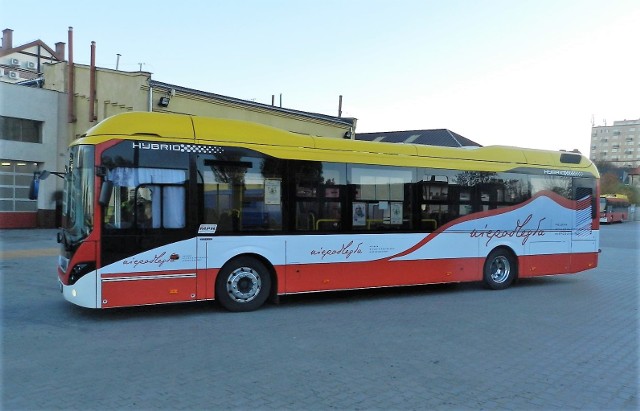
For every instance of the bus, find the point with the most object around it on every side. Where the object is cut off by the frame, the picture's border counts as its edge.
(167, 208)
(614, 208)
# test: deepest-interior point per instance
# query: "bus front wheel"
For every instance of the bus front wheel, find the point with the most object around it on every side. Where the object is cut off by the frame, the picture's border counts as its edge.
(500, 269)
(243, 284)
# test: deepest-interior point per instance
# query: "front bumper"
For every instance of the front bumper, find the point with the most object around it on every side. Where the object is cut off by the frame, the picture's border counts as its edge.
(85, 292)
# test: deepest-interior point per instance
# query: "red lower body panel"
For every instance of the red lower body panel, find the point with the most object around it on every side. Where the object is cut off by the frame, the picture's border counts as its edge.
(148, 288)
(319, 277)
(536, 265)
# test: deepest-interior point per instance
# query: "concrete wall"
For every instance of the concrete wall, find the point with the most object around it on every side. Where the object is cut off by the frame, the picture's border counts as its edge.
(40, 105)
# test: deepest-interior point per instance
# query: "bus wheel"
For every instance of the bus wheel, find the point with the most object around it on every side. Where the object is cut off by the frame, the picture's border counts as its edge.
(500, 269)
(243, 284)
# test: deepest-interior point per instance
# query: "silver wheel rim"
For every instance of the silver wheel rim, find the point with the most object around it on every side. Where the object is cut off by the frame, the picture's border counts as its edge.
(500, 269)
(244, 284)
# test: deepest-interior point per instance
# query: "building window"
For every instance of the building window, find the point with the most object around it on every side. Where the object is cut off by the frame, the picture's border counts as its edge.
(20, 129)
(15, 178)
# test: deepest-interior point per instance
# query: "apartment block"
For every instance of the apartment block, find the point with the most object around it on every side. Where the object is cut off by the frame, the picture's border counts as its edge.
(618, 144)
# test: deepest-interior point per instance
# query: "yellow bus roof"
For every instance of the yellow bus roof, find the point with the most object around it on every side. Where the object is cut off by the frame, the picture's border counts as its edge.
(178, 128)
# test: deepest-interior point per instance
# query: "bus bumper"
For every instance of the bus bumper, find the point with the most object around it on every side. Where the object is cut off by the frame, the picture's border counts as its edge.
(84, 292)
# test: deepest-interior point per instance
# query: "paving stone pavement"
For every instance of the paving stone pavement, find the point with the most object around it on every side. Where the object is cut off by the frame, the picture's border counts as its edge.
(554, 343)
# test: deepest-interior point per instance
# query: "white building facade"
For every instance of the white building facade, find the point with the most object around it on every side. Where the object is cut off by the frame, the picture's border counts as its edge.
(30, 122)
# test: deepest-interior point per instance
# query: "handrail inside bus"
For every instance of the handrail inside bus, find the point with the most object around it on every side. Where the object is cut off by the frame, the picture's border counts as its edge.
(325, 220)
(430, 220)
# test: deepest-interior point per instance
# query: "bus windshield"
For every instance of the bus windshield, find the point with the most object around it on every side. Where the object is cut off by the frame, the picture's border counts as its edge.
(77, 208)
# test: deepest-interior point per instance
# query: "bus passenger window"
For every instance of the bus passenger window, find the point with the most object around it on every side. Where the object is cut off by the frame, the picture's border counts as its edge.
(319, 191)
(382, 198)
(135, 203)
(241, 190)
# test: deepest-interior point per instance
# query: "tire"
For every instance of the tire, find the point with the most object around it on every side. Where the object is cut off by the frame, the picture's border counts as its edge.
(500, 269)
(243, 284)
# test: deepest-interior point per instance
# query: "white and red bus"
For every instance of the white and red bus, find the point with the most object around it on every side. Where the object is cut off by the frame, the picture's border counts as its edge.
(614, 208)
(162, 208)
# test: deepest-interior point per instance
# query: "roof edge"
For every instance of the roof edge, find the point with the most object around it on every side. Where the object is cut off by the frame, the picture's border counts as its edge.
(345, 121)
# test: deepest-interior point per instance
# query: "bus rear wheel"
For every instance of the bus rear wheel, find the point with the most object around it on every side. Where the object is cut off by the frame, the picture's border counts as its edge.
(500, 269)
(243, 284)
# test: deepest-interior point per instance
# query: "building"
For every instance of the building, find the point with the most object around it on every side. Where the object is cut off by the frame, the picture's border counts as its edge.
(31, 119)
(25, 62)
(618, 144)
(437, 137)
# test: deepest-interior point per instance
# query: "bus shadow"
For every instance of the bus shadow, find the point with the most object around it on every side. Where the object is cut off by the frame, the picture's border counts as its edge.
(546, 281)
(306, 299)
(147, 311)
(372, 294)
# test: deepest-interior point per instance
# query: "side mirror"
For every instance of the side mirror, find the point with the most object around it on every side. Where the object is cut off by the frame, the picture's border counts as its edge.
(105, 193)
(34, 188)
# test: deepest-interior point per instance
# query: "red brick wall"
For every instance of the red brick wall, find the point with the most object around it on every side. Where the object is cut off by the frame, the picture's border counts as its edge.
(18, 219)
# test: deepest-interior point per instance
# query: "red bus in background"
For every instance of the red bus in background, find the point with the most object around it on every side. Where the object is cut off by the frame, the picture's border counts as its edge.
(614, 208)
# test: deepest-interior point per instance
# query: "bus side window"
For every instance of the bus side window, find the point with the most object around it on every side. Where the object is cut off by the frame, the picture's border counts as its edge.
(241, 190)
(137, 202)
(319, 192)
(434, 202)
(160, 206)
(382, 197)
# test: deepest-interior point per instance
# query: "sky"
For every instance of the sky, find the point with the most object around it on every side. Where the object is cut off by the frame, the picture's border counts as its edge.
(529, 73)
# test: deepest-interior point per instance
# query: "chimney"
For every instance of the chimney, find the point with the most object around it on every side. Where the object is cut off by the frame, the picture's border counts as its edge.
(60, 50)
(7, 39)
(71, 81)
(92, 84)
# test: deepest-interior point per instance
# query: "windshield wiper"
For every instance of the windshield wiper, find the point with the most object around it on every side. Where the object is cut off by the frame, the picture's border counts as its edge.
(70, 242)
